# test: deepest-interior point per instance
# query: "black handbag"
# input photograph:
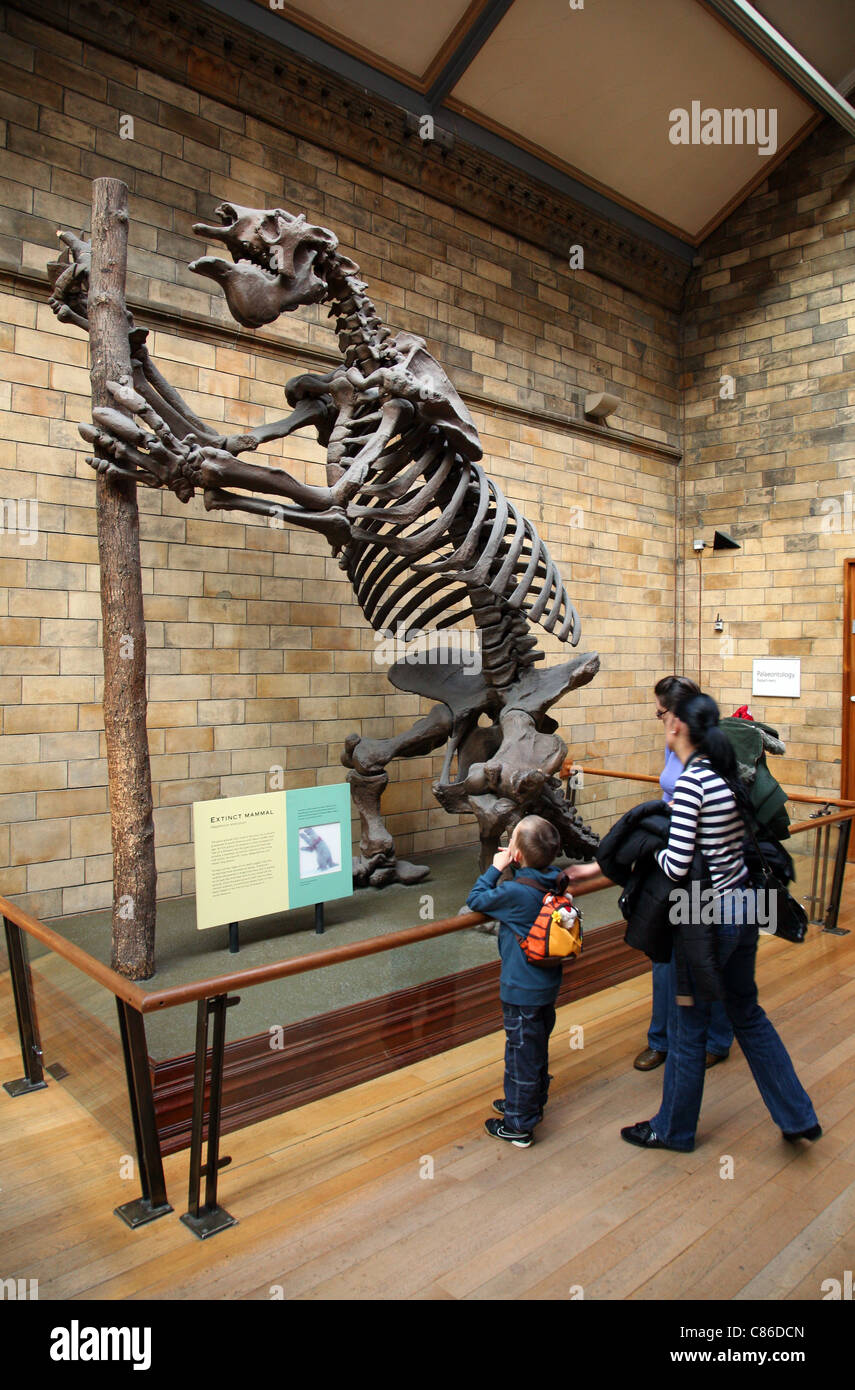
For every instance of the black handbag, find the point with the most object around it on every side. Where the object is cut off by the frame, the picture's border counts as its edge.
(785, 913)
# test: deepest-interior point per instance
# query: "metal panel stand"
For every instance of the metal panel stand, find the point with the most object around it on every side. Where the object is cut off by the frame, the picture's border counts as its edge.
(25, 1009)
(206, 1219)
(815, 902)
(153, 1202)
(837, 881)
(319, 919)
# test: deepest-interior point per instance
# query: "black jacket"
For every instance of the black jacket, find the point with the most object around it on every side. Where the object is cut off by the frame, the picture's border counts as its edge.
(774, 854)
(627, 856)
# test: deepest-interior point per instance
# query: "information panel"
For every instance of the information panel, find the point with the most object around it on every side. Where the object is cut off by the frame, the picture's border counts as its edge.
(257, 855)
(777, 676)
(239, 848)
(319, 854)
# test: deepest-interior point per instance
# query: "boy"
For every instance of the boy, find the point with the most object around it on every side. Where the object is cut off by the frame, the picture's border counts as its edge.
(527, 992)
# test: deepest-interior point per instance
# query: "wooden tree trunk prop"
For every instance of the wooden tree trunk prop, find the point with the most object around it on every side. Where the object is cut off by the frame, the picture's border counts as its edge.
(128, 769)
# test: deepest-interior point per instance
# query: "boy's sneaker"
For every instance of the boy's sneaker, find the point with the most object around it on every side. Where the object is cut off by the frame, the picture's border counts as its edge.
(520, 1138)
(499, 1107)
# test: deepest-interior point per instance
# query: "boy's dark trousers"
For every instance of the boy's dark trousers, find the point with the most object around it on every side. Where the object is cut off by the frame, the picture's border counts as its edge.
(527, 1030)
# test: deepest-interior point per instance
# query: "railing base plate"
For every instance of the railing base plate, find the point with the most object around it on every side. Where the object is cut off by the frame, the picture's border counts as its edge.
(836, 931)
(140, 1212)
(209, 1222)
(23, 1087)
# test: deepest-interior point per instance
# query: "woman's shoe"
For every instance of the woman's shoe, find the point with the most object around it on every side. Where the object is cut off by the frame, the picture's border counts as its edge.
(645, 1137)
(814, 1133)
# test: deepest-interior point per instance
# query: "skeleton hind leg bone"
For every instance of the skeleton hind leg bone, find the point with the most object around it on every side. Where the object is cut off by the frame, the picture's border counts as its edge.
(366, 760)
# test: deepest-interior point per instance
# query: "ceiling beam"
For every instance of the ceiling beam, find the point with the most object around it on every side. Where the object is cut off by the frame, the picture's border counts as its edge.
(767, 40)
(281, 34)
(468, 48)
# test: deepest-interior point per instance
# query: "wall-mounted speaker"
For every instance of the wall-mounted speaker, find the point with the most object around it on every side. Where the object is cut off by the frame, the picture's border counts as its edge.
(722, 541)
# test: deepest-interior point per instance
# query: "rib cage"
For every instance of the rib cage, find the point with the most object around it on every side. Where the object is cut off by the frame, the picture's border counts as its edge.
(435, 542)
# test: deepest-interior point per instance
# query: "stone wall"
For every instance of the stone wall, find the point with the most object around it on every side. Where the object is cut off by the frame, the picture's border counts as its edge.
(258, 656)
(769, 362)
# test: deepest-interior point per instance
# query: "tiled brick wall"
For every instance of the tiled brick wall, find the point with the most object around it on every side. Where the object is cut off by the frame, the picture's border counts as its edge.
(258, 655)
(773, 306)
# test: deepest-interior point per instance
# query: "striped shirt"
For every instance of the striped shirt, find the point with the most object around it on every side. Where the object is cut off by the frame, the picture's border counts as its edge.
(704, 817)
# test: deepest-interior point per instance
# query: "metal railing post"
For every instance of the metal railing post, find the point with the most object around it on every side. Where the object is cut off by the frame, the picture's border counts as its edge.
(153, 1202)
(25, 1011)
(206, 1220)
(845, 830)
(825, 837)
(812, 898)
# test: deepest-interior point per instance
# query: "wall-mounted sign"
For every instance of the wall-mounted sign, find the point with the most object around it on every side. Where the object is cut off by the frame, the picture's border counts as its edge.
(771, 676)
(256, 855)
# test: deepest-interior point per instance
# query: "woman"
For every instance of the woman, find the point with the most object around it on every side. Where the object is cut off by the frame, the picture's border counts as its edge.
(669, 691)
(706, 815)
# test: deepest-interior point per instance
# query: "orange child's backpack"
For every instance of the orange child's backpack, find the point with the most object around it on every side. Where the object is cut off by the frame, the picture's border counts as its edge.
(556, 935)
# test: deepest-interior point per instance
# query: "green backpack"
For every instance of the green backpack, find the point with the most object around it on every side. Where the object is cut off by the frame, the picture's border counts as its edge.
(767, 796)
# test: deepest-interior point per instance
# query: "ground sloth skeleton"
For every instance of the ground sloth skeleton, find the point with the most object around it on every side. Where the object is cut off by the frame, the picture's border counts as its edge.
(425, 537)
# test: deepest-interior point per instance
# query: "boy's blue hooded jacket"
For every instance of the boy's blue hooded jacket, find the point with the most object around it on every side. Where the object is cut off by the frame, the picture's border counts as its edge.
(515, 906)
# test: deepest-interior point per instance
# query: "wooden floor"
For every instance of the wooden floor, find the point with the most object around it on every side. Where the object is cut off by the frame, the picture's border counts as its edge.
(336, 1201)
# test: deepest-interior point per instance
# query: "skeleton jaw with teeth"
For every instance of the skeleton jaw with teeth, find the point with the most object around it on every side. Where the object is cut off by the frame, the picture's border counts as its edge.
(274, 259)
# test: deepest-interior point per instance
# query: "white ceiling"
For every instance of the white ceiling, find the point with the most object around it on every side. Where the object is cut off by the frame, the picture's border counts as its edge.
(404, 36)
(592, 89)
(589, 91)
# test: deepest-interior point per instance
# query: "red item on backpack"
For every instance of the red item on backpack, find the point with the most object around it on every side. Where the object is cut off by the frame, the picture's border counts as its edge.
(743, 713)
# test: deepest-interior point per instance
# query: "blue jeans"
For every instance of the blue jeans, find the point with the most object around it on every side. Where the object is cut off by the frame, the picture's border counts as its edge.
(786, 1099)
(527, 1030)
(720, 1035)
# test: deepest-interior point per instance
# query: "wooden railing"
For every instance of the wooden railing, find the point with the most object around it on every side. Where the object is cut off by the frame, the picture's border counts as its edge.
(823, 901)
(569, 767)
(212, 998)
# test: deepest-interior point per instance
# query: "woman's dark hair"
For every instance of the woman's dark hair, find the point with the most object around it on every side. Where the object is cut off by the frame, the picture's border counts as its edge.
(700, 714)
(670, 690)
